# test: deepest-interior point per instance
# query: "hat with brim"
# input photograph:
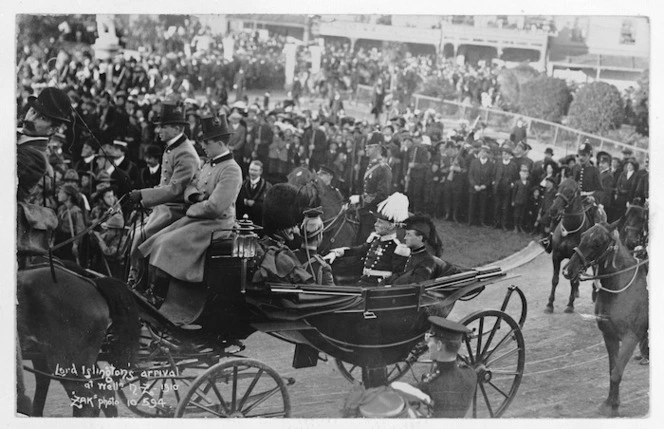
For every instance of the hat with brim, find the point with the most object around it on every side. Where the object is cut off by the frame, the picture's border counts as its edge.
(633, 161)
(508, 147)
(601, 155)
(421, 224)
(171, 114)
(213, 127)
(52, 103)
(235, 115)
(327, 170)
(376, 138)
(548, 151)
(446, 329)
(585, 148)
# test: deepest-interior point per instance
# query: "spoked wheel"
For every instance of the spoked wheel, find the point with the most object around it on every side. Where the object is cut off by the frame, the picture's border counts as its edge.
(394, 372)
(495, 350)
(236, 388)
(156, 390)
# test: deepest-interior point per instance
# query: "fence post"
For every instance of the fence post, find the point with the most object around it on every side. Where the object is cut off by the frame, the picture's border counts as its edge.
(555, 137)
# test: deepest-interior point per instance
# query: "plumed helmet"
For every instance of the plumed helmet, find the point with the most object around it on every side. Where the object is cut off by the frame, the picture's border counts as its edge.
(586, 148)
(394, 208)
(280, 208)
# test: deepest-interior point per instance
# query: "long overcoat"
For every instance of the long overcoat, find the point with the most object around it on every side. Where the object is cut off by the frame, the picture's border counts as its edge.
(180, 249)
(179, 166)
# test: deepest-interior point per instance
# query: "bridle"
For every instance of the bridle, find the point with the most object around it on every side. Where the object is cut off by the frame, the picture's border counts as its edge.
(603, 257)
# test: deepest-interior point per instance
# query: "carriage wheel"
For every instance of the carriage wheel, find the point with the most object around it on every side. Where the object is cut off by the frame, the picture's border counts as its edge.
(395, 371)
(150, 392)
(236, 388)
(495, 350)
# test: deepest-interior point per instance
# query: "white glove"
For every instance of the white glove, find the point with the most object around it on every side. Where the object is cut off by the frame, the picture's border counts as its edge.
(411, 392)
(334, 254)
(354, 199)
(330, 257)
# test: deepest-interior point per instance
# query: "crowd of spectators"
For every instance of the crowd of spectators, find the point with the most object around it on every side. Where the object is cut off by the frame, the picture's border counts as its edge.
(112, 147)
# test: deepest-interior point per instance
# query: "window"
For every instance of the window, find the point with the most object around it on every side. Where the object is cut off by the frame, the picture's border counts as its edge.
(627, 33)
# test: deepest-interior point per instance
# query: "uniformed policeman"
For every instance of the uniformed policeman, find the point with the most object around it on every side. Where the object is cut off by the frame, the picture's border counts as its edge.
(585, 173)
(377, 182)
(451, 385)
(383, 254)
(312, 234)
(420, 264)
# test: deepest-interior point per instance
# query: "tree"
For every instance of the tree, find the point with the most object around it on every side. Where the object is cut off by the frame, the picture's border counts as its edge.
(511, 81)
(597, 108)
(545, 98)
(642, 105)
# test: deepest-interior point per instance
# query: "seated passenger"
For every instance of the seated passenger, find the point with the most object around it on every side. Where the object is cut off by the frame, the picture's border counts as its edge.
(452, 384)
(179, 250)
(312, 235)
(421, 264)
(280, 219)
(383, 254)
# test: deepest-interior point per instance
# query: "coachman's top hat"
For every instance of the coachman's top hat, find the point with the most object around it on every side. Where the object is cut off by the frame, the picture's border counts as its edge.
(52, 103)
(171, 114)
(214, 127)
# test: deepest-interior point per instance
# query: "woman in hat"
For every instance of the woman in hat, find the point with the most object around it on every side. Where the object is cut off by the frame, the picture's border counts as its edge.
(626, 186)
(278, 152)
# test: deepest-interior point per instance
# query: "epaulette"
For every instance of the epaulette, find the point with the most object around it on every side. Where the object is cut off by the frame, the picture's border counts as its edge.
(401, 249)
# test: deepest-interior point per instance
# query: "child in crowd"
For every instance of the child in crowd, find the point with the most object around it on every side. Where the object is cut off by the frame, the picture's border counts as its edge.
(520, 195)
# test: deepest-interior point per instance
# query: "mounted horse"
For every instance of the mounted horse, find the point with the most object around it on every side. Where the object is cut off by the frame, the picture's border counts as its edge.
(634, 228)
(64, 318)
(340, 221)
(575, 219)
(621, 306)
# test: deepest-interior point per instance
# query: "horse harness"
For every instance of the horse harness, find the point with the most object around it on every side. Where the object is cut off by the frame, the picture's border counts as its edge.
(610, 250)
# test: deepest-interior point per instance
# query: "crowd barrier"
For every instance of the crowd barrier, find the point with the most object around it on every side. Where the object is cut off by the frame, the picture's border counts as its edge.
(545, 132)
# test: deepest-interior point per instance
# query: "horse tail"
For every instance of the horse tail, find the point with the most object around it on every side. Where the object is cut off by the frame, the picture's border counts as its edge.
(125, 326)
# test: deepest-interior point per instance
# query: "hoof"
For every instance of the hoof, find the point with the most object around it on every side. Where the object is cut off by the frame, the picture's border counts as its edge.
(608, 410)
(548, 309)
(569, 309)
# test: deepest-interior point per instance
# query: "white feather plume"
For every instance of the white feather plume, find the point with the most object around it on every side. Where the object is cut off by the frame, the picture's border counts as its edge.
(395, 207)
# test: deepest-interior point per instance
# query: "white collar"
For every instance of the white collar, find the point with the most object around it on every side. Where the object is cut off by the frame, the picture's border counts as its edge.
(154, 169)
(119, 160)
(23, 138)
(89, 159)
(220, 155)
(254, 182)
(173, 140)
(388, 237)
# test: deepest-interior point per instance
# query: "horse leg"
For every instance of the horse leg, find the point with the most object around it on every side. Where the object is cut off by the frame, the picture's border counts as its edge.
(41, 386)
(629, 343)
(554, 283)
(573, 294)
(612, 344)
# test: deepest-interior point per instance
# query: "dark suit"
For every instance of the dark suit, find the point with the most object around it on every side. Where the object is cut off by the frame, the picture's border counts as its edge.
(147, 179)
(605, 195)
(587, 177)
(520, 196)
(257, 194)
(130, 169)
(504, 176)
(318, 140)
(479, 174)
(625, 190)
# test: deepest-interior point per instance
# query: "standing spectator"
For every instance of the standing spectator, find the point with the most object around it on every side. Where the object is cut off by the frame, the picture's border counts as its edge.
(278, 153)
(521, 155)
(626, 187)
(454, 183)
(150, 175)
(108, 119)
(71, 222)
(520, 197)
(506, 173)
(239, 82)
(252, 193)
(122, 161)
(436, 206)
(377, 100)
(548, 196)
(315, 140)
(418, 166)
(238, 139)
(642, 190)
(519, 132)
(480, 175)
(605, 195)
(538, 167)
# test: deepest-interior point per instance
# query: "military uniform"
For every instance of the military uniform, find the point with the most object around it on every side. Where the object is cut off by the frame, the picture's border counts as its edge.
(419, 267)
(377, 187)
(451, 387)
(383, 256)
(315, 265)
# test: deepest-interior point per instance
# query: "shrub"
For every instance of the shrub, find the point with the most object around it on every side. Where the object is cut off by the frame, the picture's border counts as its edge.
(511, 81)
(437, 86)
(545, 97)
(597, 108)
(642, 104)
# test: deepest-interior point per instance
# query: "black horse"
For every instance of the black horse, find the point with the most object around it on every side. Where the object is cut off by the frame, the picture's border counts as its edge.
(574, 221)
(63, 320)
(621, 306)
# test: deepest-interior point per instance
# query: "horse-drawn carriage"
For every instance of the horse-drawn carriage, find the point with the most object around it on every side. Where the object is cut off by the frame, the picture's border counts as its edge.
(191, 363)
